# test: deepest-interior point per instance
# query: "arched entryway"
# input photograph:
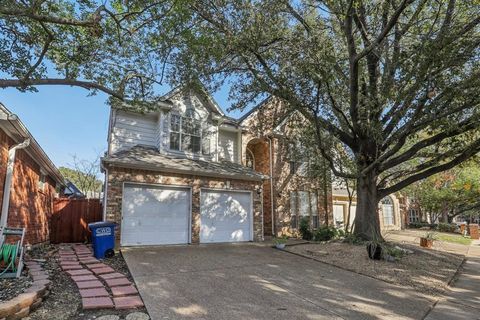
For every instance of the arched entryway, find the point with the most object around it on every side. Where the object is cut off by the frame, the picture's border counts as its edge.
(257, 157)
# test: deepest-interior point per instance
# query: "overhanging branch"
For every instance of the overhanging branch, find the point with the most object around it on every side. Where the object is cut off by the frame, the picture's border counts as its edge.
(16, 83)
(468, 152)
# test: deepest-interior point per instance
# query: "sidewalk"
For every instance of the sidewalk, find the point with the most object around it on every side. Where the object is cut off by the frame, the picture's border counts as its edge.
(463, 300)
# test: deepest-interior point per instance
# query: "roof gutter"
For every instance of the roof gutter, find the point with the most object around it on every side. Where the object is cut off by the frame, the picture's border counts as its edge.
(38, 154)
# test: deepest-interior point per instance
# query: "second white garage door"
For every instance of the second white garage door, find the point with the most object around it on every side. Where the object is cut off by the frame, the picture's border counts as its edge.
(225, 216)
(155, 215)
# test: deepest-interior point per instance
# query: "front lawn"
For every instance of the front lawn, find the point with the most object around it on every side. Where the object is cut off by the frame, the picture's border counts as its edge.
(426, 270)
(454, 238)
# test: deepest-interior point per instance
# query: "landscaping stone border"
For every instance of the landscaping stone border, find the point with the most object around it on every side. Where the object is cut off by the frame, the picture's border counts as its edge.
(28, 301)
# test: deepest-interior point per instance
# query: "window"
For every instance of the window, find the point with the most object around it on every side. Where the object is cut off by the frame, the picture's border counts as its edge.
(175, 132)
(191, 135)
(250, 159)
(185, 135)
(41, 181)
(206, 142)
(292, 167)
(304, 204)
(413, 215)
(387, 211)
(314, 209)
(293, 210)
(293, 222)
(315, 222)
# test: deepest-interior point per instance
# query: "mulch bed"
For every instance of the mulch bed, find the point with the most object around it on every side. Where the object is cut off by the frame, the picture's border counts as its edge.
(64, 301)
(427, 271)
(12, 287)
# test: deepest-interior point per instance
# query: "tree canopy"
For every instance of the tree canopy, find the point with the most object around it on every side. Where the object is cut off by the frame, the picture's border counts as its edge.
(99, 47)
(395, 82)
(448, 194)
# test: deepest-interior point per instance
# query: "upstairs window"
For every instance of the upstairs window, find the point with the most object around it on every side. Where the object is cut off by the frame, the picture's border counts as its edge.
(175, 132)
(185, 134)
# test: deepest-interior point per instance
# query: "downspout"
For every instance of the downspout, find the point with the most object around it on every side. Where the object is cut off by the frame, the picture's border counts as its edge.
(271, 186)
(8, 181)
(105, 191)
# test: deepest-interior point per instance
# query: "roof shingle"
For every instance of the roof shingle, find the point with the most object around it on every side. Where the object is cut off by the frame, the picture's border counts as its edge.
(142, 157)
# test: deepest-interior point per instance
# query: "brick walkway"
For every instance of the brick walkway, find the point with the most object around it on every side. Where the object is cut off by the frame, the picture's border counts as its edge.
(100, 286)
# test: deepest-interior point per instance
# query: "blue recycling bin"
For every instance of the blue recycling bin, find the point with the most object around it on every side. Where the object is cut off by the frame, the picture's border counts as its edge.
(103, 239)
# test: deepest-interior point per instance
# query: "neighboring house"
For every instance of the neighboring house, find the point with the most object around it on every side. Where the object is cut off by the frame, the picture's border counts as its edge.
(187, 173)
(391, 210)
(28, 180)
(71, 191)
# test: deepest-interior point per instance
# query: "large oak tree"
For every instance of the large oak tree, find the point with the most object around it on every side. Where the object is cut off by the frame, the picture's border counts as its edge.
(395, 82)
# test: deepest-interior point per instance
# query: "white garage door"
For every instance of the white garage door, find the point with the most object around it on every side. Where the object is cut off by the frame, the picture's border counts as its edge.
(155, 215)
(225, 216)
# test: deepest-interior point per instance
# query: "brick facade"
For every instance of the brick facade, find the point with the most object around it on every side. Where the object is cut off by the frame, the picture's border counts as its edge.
(118, 176)
(261, 126)
(29, 206)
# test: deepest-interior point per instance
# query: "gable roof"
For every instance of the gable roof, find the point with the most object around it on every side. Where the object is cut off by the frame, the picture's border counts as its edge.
(255, 108)
(142, 157)
(72, 191)
(211, 102)
(13, 127)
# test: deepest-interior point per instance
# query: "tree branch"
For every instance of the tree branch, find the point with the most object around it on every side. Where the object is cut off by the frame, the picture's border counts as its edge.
(468, 152)
(391, 23)
(17, 12)
(15, 83)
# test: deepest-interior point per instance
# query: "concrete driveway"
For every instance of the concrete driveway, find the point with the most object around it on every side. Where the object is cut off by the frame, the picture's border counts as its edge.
(253, 281)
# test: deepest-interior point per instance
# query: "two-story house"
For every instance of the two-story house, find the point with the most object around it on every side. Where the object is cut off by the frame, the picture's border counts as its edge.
(187, 173)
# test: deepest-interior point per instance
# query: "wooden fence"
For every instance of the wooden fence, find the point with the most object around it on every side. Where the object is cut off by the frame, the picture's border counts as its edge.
(70, 219)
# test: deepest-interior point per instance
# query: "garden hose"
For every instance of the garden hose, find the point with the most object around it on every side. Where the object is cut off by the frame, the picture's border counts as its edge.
(8, 254)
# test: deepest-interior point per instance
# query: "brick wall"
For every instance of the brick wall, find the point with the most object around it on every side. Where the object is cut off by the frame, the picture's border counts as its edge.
(286, 183)
(117, 176)
(261, 152)
(29, 207)
(260, 125)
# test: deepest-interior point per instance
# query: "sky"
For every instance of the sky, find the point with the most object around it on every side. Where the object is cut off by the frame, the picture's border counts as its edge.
(65, 121)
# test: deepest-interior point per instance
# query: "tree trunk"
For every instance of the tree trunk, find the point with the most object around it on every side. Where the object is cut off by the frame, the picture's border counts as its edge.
(367, 223)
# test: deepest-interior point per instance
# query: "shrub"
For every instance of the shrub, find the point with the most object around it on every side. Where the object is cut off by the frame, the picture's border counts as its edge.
(418, 225)
(325, 233)
(446, 227)
(353, 239)
(394, 252)
(280, 240)
(304, 229)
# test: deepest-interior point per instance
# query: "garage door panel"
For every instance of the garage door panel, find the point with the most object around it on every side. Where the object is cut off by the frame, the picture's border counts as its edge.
(225, 216)
(155, 215)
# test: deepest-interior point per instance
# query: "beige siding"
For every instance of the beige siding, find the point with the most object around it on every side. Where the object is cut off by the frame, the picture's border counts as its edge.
(228, 145)
(130, 129)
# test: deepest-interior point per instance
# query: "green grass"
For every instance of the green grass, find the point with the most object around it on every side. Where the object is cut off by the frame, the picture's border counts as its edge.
(454, 238)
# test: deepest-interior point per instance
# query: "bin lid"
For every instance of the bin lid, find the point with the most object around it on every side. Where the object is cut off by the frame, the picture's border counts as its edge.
(101, 224)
